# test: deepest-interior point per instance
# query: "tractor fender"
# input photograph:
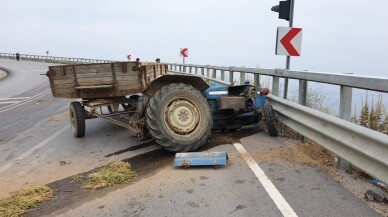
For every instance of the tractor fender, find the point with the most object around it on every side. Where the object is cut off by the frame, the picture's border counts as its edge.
(195, 81)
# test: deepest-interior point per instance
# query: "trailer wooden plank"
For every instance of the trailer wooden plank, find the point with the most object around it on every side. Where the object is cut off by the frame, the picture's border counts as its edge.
(93, 87)
(127, 78)
(94, 81)
(99, 75)
(64, 82)
(128, 84)
(102, 80)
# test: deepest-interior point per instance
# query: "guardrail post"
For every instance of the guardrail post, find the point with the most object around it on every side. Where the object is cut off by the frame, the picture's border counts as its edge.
(242, 77)
(222, 75)
(275, 86)
(231, 77)
(190, 69)
(202, 71)
(214, 73)
(207, 71)
(196, 70)
(345, 112)
(302, 92)
(256, 79)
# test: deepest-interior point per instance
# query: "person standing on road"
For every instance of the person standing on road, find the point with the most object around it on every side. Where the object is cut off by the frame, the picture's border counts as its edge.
(17, 56)
(138, 64)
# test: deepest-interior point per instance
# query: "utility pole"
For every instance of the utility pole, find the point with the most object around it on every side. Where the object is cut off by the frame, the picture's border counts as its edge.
(288, 58)
(286, 12)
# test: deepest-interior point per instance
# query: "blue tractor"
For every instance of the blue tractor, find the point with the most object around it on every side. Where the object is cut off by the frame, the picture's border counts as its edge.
(180, 116)
(233, 107)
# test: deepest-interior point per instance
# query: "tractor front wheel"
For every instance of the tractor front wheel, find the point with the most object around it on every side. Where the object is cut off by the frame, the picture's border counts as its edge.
(269, 117)
(179, 118)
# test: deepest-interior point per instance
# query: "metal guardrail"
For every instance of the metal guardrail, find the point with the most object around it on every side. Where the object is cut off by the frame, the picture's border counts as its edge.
(362, 147)
(52, 59)
(346, 81)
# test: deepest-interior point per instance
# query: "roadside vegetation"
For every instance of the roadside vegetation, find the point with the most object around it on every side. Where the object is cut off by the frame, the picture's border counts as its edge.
(23, 200)
(113, 173)
(374, 117)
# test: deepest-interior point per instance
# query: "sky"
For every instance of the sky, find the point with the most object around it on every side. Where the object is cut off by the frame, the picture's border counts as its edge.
(347, 36)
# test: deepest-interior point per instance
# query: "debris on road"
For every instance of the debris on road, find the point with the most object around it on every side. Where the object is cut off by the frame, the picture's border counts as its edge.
(23, 200)
(379, 184)
(200, 159)
(115, 172)
(375, 195)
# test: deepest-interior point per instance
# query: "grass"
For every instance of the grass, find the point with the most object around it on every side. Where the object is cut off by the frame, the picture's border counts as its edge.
(23, 200)
(39, 101)
(115, 172)
(77, 179)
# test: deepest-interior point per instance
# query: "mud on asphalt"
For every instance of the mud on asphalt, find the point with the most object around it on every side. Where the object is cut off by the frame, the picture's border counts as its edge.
(68, 195)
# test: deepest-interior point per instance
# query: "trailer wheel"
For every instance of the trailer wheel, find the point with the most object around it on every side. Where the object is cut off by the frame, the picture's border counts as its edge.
(77, 119)
(269, 117)
(179, 117)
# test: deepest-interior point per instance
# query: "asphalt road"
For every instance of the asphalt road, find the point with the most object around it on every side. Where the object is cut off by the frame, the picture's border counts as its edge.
(37, 147)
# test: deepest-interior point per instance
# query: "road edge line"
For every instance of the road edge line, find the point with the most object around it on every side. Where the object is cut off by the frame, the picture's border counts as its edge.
(4, 109)
(269, 187)
(32, 150)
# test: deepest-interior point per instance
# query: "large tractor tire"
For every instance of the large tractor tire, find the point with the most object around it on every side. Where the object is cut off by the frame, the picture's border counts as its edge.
(179, 118)
(270, 120)
(77, 119)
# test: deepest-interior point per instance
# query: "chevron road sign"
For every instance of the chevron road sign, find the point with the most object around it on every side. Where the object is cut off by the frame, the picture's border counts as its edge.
(289, 41)
(184, 52)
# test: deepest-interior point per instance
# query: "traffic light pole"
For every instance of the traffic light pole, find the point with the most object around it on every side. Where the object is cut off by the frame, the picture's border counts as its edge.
(288, 58)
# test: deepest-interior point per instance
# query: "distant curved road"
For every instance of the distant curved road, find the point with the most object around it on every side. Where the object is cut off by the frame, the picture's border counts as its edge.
(24, 94)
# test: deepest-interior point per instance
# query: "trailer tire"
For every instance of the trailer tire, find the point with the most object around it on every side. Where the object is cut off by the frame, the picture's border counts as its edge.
(77, 119)
(270, 120)
(178, 117)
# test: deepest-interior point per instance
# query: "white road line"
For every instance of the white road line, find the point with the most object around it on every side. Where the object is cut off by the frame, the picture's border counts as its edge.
(272, 191)
(30, 151)
(24, 102)
(10, 102)
(15, 98)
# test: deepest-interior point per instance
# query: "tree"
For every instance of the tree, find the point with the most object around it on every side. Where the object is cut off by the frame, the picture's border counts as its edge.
(354, 118)
(316, 100)
(383, 128)
(364, 116)
(373, 119)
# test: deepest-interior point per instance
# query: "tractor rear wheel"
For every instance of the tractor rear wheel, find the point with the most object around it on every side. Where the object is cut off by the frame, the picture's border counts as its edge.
(269, 117)
(77, 119)
(179, 118)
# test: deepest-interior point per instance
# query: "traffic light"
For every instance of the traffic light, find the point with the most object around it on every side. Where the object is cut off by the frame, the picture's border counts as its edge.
(284, 9)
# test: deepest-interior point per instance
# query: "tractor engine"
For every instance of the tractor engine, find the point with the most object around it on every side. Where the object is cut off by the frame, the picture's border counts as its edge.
(235, 106)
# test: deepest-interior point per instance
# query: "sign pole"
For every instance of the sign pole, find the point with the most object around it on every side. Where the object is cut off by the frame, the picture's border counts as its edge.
(183, 60)
(288, 58)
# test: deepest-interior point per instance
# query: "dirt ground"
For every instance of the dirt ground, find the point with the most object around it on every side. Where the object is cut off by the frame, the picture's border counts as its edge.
(310, 153)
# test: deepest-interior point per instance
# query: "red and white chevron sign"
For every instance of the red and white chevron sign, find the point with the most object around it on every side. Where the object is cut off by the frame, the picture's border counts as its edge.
(184, 52)
(289, 41)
